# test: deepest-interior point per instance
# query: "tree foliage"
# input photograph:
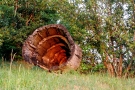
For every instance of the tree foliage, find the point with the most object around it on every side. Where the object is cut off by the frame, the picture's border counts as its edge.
(103, 28)
(18, 19)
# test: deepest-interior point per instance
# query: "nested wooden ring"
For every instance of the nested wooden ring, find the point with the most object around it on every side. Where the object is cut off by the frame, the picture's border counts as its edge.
(52, 48)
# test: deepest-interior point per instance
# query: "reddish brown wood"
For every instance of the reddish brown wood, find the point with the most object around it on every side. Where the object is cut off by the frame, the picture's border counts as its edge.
(52, 48)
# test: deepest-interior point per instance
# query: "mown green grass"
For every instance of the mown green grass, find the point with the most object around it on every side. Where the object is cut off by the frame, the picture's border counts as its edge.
(21, 77)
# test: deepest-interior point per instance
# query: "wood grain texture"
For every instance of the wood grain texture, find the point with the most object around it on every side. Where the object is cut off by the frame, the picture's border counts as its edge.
(52, 48)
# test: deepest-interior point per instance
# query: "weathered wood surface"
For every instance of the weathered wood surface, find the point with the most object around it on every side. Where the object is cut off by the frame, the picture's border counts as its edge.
(52, 48)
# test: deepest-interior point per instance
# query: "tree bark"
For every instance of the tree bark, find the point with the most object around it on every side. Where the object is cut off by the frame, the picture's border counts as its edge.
(52, 48)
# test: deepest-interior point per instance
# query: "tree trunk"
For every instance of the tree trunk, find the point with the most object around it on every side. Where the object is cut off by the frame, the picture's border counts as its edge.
(52, 48)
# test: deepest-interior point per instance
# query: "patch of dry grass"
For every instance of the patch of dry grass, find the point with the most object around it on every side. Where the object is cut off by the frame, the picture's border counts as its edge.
(22, 77)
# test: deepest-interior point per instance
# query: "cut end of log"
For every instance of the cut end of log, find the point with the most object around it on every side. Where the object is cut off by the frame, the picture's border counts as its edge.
(52, 48)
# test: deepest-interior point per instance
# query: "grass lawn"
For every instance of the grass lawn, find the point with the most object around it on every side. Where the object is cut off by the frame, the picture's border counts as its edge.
(21, 77)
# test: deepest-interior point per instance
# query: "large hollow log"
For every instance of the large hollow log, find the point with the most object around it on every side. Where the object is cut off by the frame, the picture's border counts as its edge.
(52, 48)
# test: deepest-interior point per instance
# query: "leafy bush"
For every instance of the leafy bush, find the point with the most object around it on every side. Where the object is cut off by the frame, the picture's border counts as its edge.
(17, 22)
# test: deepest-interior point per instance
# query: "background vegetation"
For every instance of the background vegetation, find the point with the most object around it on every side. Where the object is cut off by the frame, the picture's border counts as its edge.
(104, 29)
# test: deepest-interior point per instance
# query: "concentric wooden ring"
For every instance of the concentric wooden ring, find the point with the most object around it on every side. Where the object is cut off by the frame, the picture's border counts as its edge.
(52, 48)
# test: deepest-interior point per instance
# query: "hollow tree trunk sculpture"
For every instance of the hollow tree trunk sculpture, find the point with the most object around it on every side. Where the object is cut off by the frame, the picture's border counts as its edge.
(52, 48)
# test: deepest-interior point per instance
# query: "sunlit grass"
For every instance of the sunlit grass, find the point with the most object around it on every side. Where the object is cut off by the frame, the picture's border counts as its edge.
(23, 78)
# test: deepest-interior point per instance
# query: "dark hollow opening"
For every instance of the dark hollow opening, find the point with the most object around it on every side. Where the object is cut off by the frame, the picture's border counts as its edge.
(56, 54)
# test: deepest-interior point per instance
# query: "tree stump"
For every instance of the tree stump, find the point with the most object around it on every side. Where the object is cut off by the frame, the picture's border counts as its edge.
(52, 48)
